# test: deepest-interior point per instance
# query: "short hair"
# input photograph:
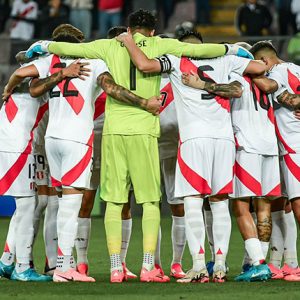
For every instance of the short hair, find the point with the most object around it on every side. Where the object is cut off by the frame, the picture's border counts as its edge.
(67, 33)
(142, 19)
(263, 45)
(115, 31)
(187, 34)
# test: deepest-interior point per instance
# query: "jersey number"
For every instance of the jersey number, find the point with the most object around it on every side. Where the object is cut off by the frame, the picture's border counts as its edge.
(164, 98)
(200, 72)
(132, 76)
(66, 91)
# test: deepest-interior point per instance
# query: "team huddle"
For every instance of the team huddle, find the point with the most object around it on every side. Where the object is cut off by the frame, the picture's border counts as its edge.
(213, 122)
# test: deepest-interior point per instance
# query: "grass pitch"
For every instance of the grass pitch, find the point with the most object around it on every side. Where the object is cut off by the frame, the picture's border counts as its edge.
(99, 268)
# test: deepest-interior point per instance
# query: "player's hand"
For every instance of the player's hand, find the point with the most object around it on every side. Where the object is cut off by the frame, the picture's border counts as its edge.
(233, 49)
(153, 105)
(6, 94)
(124, 38)
(192, 80)
(38, 48)
(76, 69)
(297, 114)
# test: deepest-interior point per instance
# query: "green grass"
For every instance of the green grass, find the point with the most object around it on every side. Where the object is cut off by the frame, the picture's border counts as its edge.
(99, 268)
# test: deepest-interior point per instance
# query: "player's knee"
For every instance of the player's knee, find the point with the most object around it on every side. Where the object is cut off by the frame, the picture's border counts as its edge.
(177, 210)
(126, 212)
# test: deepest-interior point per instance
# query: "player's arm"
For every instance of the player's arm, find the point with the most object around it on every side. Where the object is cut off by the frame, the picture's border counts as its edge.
(266, 85)
(289, 100)
(255, 67)
(230, 90)
(39, 87)
(107, 83)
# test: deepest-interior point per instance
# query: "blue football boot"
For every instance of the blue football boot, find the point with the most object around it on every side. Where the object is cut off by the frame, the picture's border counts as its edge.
(246, 267)
(255, 273)
(6, 270)
(30, 275)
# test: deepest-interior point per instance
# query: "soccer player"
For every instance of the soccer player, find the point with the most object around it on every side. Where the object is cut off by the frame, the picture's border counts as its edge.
(131, 133)
(283, 81)
(201, 138)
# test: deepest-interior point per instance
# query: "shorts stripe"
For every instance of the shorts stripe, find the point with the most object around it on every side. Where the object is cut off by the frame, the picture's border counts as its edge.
(55, 182)
(283, 142)
(292, 166)
(227, 189)
(247, 179)
(194, 179)
(276, 191)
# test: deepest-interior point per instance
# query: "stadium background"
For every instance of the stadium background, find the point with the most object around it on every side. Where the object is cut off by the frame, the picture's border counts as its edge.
(221, 28)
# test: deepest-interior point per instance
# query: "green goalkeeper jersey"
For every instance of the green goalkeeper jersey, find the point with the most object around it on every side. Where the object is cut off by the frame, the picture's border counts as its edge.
(121, 118)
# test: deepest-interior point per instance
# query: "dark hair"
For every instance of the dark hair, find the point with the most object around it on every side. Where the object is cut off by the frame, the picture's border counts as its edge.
(67, 33)
(187, 34)
(142, 19)
(115, 31)
(263, 45)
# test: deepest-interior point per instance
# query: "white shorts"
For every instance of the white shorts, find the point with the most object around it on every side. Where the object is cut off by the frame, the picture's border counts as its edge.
(17, 174)
(168, 169)
(70, 163)
(95, 178)
(204, 166)
(42, 176)
(290, 168)
(256, 175)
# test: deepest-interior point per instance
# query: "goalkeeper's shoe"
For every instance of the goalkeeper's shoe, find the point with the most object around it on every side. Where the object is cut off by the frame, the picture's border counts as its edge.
(128, 273)
(71, 275)
(6, 270)
(194, 277)
(176, 271)
(276, 273)
(117, 276)
(82, 268)
(153, 276)
(255, 273)
(30, 275)
(290, 274)
(219, 274)
(162, 273)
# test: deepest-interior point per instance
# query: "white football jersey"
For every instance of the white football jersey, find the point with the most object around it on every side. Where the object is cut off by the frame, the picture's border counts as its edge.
(72, 101)
(287, 76)
(199, 113)
(253, 119)
(169, 135)
(18, 119)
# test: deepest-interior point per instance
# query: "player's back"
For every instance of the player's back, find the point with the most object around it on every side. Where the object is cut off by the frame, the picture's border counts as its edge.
(201, 114)
(253, 119)
(72, 101)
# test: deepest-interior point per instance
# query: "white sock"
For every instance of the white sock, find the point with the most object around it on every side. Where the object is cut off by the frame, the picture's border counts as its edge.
(82, 240)
(221, 231)
(254, 251)
(208, 227)
(195, 230)
(9, 253)
(67, 223)
(265, 248)
(50, 231)
(126, 234)
(25, 207)
(115, 262)
(290, 240)
(41, 204)
(157, 251)
(276, 241)
(178, 238)
(148, 261)
(247, 260)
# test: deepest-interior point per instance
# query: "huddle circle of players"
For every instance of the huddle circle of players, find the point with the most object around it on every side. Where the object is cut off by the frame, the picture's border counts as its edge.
(231, 108)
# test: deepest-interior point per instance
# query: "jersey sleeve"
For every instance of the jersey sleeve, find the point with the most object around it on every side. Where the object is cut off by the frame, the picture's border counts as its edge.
(237, 64)
(177, 48)
(96, 49)
(278, 74)
(42, 65)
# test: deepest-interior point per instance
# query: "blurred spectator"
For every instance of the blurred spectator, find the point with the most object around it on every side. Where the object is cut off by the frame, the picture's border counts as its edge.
(253, 19)
(23, 15)
(51, 15)
(4, 13)
(296, 10)
(167, 8)
(109, 15)
(294, 49)
(142, 4)
(285, 17)
(202, 12)
(81, 15)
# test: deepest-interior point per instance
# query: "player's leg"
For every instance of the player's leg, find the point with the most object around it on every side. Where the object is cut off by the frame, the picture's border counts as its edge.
(143, 163)
(192, 181)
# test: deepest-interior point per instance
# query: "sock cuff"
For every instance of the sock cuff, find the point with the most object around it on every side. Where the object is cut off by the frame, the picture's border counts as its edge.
(127, 223)
(277, 215)
(69, 197)
(178, 220)
(218, 204)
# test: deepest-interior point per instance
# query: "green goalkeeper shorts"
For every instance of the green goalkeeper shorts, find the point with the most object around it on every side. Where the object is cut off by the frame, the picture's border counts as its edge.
(126, 160)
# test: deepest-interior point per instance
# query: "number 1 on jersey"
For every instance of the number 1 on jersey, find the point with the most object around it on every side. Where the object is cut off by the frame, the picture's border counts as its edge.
(132, 76)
